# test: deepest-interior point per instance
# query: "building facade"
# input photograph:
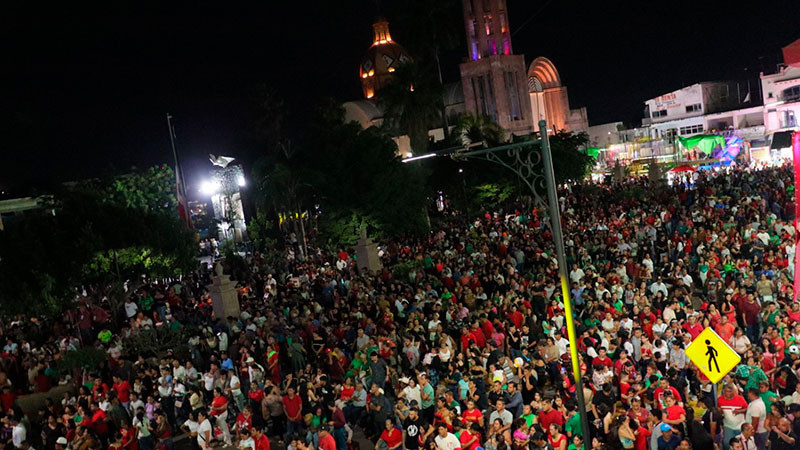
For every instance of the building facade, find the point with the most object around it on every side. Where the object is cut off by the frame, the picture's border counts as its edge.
(493, 79)
(781, 92)
(549, 98)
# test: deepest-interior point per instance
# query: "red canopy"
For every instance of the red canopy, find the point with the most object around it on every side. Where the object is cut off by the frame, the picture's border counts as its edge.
(684, 168)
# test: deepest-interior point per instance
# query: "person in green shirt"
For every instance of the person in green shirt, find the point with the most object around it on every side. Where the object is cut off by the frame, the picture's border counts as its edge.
(146, 303)
(576, 443)
(104, 336)
(573, 426)
(767, 396)
(528, 415)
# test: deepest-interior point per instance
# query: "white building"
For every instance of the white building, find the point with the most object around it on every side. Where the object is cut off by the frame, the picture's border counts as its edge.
(683, 112)
(782, 93)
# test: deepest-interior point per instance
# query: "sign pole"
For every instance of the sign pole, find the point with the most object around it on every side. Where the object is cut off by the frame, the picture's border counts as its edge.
(555, 225)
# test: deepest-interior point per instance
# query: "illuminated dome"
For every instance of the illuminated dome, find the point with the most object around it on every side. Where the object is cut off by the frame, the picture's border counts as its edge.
(382, 58)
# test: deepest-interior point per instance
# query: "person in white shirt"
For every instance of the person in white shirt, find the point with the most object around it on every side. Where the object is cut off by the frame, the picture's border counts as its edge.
(561, 343)
(204, 431)
(130, 308)
(235, 389)
(446, 440)
(659, 286)
(18, 433)
(576, 274)
(756, 415)
(246, 441)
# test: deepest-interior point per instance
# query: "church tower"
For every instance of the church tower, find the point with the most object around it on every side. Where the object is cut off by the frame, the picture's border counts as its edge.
(494, 79)
(382, 58)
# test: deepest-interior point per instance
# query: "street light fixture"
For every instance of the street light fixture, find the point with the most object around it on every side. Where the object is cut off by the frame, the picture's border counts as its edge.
(210, 187)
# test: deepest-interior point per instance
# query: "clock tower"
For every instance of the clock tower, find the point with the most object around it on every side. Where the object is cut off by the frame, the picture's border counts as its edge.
(382, 58)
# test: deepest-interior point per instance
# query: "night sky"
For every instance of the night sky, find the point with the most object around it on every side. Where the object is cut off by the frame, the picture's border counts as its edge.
(87, 85)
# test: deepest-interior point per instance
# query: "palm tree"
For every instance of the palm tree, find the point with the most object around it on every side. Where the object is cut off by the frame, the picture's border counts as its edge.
(435, 28)
(474, 129)
(411, 102)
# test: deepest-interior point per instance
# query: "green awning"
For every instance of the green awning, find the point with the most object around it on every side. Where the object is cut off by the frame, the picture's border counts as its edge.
(592, 151)
(703, 142)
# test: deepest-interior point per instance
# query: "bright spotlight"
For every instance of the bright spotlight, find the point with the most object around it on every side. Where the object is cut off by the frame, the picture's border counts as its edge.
(209, 187)
(240, 181)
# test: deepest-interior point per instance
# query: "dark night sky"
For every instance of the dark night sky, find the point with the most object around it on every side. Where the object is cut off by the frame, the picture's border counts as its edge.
(86, 87)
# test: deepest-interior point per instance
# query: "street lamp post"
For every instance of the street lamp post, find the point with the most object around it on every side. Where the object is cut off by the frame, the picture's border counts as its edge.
(525, 166)
(558, 238)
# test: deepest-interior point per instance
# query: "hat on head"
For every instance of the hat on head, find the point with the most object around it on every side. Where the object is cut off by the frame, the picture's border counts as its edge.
(250, 360)
(404, 380)
(794, 349)
(665, 427)
(61, 441)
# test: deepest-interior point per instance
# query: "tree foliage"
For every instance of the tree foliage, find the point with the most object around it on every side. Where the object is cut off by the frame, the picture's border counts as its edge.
(569, 163)
(95, 233)
(412, 103)
(346, 177)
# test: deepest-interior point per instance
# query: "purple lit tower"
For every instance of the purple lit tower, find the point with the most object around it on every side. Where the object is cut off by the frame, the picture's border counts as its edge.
(493, 78)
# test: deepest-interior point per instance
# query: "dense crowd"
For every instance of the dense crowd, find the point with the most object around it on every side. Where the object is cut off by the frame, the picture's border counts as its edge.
(458, 343)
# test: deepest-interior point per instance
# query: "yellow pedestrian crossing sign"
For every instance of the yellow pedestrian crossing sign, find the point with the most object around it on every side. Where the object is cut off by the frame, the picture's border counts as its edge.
(713, 356)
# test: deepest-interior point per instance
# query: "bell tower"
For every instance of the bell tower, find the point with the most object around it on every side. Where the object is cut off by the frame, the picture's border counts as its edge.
(493, 78)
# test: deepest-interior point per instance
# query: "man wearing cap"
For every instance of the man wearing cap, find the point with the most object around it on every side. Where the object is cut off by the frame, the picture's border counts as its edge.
(669, 440)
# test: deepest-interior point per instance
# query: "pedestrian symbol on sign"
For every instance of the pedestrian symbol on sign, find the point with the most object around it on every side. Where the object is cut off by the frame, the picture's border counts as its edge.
(712, 355)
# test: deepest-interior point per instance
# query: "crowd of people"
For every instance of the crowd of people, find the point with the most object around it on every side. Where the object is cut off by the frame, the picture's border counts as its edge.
(459, 342)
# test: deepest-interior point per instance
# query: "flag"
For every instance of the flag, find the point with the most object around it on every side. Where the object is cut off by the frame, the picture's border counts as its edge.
(180, 186)
(183, 202)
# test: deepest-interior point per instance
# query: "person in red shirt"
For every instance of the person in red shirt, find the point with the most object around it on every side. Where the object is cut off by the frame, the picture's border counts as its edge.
(642, 436)
(255, 394)
(98, 422)
(472, 415)
(693, 327)
(477, 334)
(602, 359)
(219, 409)
(99, 390)
(548, 415)
(123, 390)
(725, 329)
(661, 391)
(261, 439)
(470, 437)
(391, 435)
(245, 419)
(293, 410)
(675, 414)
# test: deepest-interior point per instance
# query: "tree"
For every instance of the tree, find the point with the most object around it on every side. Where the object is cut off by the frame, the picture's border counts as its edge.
(435, 28)
(569, 162)
(100, 233)
(476, 129)
(152, 190)
(412, 102)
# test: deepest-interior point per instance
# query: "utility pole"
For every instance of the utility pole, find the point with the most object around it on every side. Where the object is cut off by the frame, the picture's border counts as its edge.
(525, 166)
(558, 238)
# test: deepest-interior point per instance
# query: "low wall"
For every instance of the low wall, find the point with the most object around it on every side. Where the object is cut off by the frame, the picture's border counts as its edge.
(31, 403)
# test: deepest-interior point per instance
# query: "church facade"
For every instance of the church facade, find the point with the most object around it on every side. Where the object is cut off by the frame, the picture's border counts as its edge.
(494, 80)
